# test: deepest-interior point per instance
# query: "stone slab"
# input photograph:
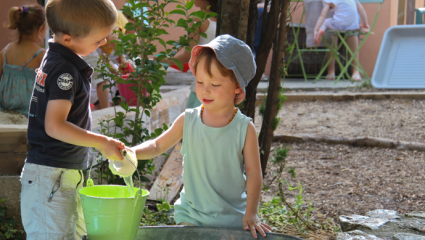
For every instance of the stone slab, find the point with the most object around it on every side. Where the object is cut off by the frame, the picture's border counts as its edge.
(167, 184)
(408, 236)
(386, 224)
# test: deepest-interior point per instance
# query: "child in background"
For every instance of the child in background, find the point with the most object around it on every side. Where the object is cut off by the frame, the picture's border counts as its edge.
(59, 127)
(220, 144)
(103, 97)
(345, 18)
(19, 59)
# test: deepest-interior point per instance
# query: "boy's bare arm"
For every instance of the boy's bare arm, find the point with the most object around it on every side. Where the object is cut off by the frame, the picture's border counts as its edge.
(254, 183)
(165, 141)
(59, 128)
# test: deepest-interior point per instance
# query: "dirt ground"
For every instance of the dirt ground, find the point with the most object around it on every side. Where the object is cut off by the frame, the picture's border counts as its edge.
(342, 180)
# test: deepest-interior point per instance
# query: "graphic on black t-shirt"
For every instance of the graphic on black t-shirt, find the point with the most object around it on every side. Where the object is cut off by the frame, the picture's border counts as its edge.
(65, 81)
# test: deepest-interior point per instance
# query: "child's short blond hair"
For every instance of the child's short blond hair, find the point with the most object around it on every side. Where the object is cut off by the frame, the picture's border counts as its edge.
(78, 18)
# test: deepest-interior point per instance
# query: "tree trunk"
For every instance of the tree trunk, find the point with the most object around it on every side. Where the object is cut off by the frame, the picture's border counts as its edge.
(266, 133)
(227, 20)
(252, 23)
(268, 35)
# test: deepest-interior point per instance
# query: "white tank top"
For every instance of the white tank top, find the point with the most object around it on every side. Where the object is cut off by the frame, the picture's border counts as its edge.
(210, 33)
(214, 192)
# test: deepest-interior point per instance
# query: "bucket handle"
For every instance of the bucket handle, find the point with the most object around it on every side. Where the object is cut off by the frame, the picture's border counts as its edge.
(89, 182)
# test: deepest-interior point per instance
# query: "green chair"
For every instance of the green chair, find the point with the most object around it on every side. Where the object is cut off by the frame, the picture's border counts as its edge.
(419, 12)
(299, 51)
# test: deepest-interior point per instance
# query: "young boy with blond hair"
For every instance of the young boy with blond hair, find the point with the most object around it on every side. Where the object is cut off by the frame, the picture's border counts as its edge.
(59, 128)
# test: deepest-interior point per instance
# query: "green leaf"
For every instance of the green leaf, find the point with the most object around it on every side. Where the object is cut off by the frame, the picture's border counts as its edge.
(178, 11)
(182, 23)
(204, 35)
(189, 5)
(130, 27)
(178, 63)
(199, 14)
(127, 37)
(180, 6)
(211, 14)
(147, 113)
(124, 105)
(158, 131)
(160, 32)
(144, 179)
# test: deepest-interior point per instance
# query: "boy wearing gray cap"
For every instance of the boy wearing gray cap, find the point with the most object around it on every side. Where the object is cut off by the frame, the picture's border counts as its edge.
(220, 146)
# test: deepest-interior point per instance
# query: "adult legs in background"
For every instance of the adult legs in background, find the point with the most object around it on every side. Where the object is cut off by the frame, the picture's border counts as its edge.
(353, 43)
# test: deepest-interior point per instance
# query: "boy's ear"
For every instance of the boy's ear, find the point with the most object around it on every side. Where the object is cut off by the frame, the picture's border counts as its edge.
(240, 95)
(66, 39)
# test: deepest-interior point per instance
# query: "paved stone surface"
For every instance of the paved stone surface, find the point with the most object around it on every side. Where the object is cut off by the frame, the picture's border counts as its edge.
(383, 224)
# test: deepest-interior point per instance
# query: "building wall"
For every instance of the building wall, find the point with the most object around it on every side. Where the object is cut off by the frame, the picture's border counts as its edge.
(368, 54)
(7, 35)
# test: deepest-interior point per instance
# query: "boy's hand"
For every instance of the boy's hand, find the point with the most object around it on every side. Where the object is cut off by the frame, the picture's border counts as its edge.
(252, 223)
(110, 149)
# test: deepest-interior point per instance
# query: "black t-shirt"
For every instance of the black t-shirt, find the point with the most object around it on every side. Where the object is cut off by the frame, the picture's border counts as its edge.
(62, 75)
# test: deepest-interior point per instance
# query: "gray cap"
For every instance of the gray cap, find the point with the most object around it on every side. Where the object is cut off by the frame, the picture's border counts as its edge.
(234, 54)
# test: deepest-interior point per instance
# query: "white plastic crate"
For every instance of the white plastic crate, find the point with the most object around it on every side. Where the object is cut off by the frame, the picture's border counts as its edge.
(401, 59)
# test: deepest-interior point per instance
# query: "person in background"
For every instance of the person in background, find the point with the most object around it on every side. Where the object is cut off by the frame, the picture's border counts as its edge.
(208, 27)
(222, 172)
(103, 98)
(20, 59)
(345, 18)
(59, 125)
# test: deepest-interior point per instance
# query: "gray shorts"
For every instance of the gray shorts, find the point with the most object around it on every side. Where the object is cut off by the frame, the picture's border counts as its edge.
(50, 203)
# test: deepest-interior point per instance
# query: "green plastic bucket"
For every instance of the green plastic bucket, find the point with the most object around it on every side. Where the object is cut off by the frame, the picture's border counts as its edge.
(111, 213)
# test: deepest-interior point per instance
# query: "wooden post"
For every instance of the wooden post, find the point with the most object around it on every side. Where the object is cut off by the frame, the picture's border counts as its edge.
(410, 12)
(401, 12)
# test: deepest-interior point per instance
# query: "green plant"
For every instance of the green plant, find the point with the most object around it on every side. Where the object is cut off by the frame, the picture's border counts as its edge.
(8, 226)
(164, 215)
(283, 216)
(150, 24)
(279, 159)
